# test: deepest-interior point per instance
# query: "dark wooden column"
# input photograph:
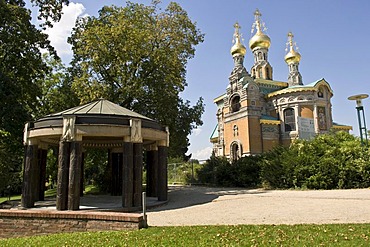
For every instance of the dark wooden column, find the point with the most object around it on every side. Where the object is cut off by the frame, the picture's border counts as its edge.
(36, 175)
(162, 173)
(138, 174)
(109, 171)
(116, 174)
(151, 173)
(43, 153)
(29, 176)
(82, 180)
(74, 176)
(128, 175)
(63, 175)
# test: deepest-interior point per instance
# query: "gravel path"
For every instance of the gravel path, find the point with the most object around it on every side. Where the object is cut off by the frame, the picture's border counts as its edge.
(224, 206)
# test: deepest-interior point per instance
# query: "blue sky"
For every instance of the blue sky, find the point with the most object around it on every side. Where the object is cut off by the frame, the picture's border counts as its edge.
(333, 37)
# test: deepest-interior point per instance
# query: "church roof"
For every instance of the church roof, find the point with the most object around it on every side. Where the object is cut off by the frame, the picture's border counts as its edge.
(214, 134)
(341, 126)
(301, 88)
(99, 107)
(266, 119)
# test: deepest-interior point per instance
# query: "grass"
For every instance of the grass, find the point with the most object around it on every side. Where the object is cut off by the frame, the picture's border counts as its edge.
(239, 235)
(12, 198)
(89, 189)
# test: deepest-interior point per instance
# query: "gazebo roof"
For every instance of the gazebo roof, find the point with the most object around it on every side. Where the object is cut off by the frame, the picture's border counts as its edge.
(99, 112)
(99, 107)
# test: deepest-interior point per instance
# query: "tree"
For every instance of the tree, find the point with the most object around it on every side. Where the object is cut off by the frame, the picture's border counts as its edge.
(56, 89)
(21, 68)
(136, 56)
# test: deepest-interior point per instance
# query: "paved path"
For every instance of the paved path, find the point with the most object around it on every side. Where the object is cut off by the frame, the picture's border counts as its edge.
(217, 206)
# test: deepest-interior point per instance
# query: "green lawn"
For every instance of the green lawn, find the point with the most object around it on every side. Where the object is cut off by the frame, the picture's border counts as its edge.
(12, 198)
(243, 235)
(90, 189)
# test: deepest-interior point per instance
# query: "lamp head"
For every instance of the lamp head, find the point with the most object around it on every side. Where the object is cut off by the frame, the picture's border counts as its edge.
(358, 98)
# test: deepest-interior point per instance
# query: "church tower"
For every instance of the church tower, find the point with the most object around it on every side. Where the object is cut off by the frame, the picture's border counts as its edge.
(237, 51)
(258, 113)
(292, 58)
(260, 44)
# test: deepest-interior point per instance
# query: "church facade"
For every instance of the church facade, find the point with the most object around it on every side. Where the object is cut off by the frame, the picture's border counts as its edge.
(258, 113)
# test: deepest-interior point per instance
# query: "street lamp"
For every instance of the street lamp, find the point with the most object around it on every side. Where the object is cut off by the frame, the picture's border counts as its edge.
(361, 116)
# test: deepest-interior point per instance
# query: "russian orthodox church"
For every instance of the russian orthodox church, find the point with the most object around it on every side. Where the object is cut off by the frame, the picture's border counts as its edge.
(258, 113)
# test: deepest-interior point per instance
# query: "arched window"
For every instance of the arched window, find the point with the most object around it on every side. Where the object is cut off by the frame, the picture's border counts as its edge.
(260, 73)
(320, 93)
(235, 103)
(289, 119)
(267, 73)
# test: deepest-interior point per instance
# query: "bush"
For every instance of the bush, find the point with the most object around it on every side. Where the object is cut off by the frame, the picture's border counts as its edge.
(331, 161)
(245, 172)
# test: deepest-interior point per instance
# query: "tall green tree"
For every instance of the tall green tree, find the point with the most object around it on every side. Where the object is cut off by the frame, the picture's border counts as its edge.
(136, 56)
(21, 68)
(56, 88)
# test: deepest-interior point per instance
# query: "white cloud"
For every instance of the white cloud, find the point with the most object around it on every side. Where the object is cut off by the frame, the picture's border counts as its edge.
(202, 154)
(62, 30)
(197, 131)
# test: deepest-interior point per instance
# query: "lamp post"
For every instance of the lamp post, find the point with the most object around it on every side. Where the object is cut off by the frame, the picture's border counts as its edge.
(361, 116)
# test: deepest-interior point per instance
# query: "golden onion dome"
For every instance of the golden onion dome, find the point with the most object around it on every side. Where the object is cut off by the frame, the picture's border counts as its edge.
(292, 56)
(238, 47)
(259, 40)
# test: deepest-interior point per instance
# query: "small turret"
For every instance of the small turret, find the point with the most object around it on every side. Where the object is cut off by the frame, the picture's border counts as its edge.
(238, 48)
(259, 40)
(260, 44)
(292, 58)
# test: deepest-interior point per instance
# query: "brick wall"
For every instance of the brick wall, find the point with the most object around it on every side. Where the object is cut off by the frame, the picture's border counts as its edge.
(16, 223)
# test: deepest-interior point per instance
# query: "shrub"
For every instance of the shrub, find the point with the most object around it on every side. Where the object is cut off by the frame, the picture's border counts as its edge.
(245, 172)
(331, 161)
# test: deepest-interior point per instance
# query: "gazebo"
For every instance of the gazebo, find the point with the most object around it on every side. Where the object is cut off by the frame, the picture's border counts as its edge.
(127, 136)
